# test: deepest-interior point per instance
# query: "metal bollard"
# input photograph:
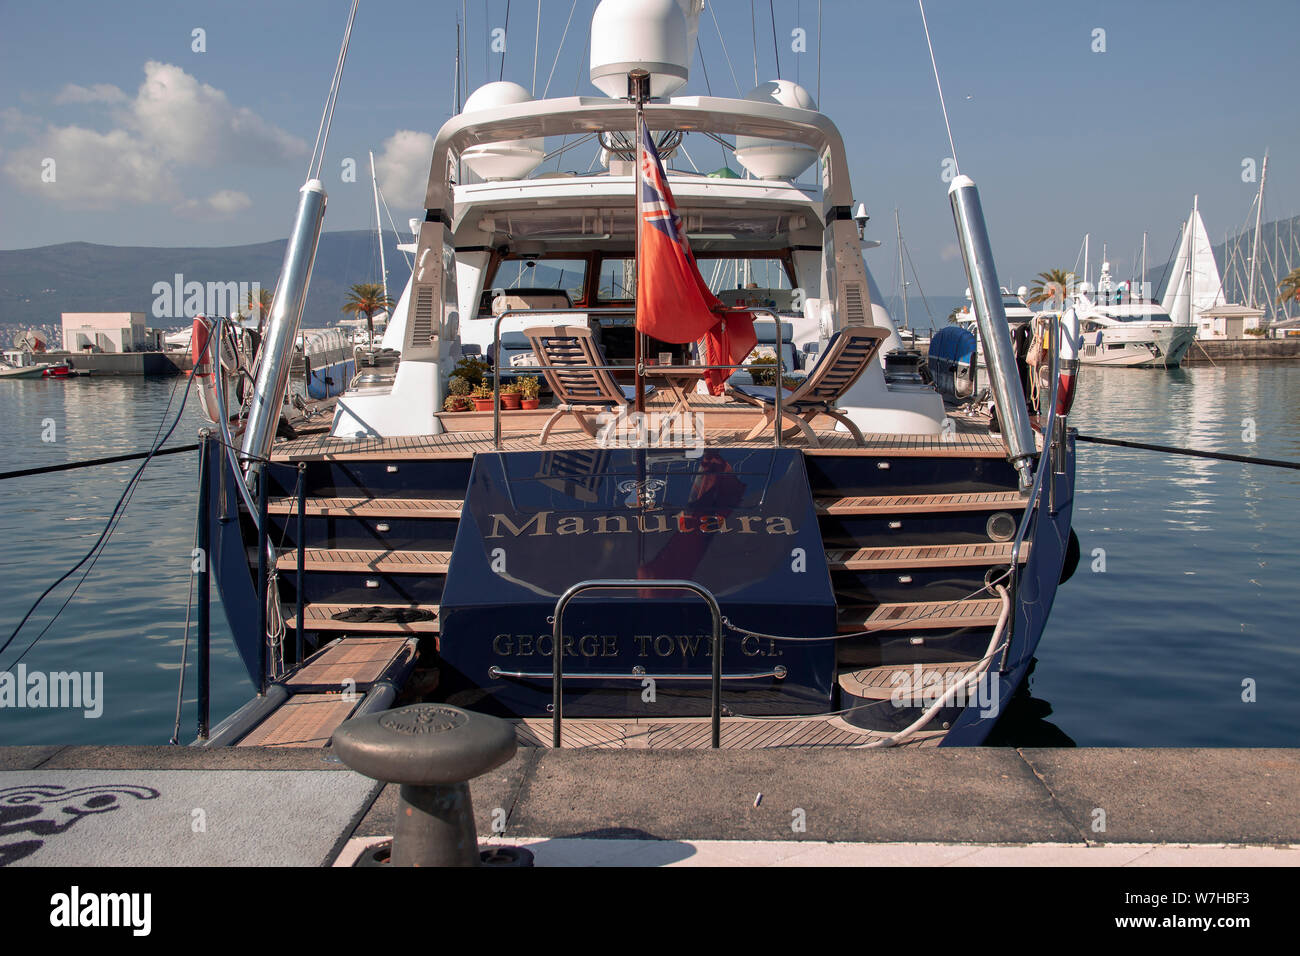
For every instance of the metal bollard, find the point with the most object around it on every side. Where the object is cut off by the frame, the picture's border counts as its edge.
(432, 751)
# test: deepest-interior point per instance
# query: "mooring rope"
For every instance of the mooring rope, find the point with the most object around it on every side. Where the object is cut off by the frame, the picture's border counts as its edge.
(1193, 452)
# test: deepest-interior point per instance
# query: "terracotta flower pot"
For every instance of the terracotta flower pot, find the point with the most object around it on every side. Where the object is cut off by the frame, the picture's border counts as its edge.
(483, 404)
(510, 400)
(529, 402)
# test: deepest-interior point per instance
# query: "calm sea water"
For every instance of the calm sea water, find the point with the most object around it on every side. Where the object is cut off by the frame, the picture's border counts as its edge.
(1186, 589)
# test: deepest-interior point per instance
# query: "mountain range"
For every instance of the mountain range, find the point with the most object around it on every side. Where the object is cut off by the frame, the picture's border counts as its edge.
(36, 285)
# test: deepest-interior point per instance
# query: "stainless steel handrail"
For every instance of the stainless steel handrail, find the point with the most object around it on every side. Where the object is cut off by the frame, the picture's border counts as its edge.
(608, 310)
(614, 584)
(780, 672)
(1045, 466)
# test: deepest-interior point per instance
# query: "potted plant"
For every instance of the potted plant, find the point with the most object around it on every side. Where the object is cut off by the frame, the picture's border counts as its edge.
(482, 396)
(510, 396)
(457, 403)
(529, 389)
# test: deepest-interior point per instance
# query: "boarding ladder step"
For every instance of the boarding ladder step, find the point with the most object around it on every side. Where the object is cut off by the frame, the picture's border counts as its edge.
(922, 556)
(366, 562)
(371, 507)
(882, 682)
(921, 504)
(914, 615)
(366, 618)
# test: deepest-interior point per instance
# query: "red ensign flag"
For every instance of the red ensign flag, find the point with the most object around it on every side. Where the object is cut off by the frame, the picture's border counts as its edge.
(674, 303)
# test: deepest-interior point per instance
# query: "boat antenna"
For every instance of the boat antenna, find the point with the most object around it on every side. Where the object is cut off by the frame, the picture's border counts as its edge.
(753, 30)
(327, 117)
(942, 106)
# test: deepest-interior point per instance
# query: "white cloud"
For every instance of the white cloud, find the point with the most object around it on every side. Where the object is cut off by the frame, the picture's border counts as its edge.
(99, 93)
(950, 252)
(92, 169)
(174, 122)
(403, 168)
(192, 122)
(223, 204)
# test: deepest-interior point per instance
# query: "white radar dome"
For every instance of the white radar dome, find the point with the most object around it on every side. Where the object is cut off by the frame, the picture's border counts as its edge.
(657, 36)
(775, 158)
(511, 159)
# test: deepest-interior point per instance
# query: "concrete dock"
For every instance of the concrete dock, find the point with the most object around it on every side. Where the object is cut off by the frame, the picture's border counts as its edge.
(253, 806)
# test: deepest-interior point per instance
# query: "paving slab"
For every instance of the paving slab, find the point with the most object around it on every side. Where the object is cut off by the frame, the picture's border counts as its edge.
(177, 817)
(192, 758)
(26, 758)
(985, 796)
(1176, 795)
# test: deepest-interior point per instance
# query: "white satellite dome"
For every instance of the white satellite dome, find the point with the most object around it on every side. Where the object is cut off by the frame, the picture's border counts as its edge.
(657, 36)
(775, 158)
(512, 159)
(1022, 291)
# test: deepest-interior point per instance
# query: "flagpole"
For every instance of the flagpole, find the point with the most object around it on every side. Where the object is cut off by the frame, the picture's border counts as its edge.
(638, 88)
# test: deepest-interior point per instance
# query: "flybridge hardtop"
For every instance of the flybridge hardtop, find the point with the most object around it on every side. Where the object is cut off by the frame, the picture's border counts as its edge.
(634, 548)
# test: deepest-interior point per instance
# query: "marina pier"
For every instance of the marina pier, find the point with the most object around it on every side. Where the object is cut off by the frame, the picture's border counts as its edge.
(608, 805)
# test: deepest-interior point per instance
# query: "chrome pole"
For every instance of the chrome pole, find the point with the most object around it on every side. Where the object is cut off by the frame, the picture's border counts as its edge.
(275, 358)
(991, 319)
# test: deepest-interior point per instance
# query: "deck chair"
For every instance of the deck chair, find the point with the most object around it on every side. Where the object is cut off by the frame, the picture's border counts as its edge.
(579, 391)
(847, 356)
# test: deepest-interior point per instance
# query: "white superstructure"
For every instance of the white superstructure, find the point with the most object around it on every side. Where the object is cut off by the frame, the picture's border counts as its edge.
(542, 239)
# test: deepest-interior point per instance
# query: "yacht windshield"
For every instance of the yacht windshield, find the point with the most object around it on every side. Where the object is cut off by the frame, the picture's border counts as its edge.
(558, 275)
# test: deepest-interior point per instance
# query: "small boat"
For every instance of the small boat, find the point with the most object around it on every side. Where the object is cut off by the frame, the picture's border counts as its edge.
(63, 370)
(23, 371)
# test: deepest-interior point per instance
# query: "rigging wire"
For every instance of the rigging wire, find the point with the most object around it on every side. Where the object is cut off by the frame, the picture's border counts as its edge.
(537, 42)
(942, 106)
(776, 51)
(103, 535)
(563, 37)
(327, 117)
(725, 54)
(505, 44)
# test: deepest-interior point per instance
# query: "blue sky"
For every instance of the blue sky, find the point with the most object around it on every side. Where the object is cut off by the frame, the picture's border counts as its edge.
(1061, 139)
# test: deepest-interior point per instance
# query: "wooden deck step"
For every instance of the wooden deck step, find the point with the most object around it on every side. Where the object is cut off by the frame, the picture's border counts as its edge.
(304, 720)
(371, 507)
(923, 556)
(366, 562)
(321, 617)
(695, 733)
(355, 661)
(880, 683)
(976, 612)
(922, 504)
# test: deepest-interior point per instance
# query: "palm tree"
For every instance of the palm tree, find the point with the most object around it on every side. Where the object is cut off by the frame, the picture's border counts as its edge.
(260, 305)
(1051, 286)
(1289, 287)
(367, 298)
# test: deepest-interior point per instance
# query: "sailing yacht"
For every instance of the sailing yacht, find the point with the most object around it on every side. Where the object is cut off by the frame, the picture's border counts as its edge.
(874, 579)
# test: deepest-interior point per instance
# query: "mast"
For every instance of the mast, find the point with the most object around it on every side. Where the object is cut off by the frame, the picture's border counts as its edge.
(902, 269)
(379, 232)
(1259, 209)
(1142, 276)
(1085, 258)
(1192, 318)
